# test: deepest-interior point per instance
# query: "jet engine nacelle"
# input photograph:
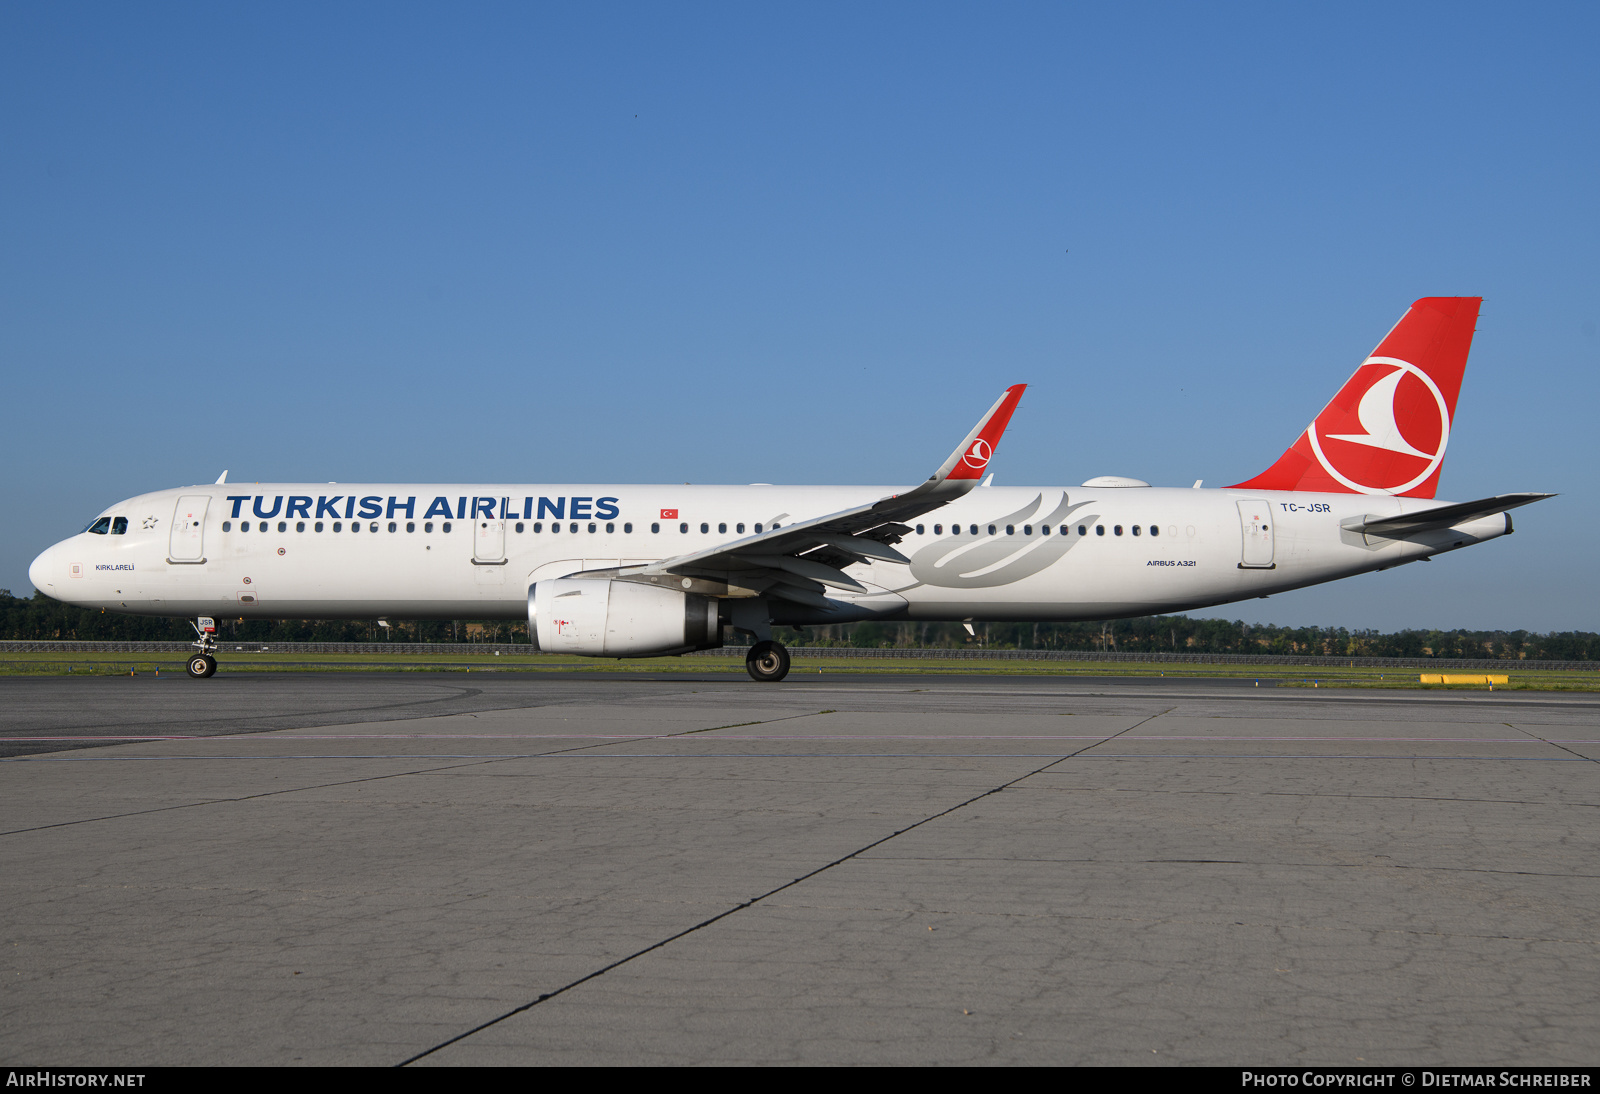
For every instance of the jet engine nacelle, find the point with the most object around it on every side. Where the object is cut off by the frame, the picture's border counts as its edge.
(600, 618)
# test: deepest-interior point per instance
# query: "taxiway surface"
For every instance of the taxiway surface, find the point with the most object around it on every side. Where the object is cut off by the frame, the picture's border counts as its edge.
(514, 868)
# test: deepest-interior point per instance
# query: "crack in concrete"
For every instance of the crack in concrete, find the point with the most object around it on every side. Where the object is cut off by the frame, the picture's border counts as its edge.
(1552, 744)
(773, 892)
(478, 762)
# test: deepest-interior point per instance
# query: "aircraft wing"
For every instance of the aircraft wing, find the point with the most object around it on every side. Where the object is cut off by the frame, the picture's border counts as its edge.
(797, 561)
(1445, 516)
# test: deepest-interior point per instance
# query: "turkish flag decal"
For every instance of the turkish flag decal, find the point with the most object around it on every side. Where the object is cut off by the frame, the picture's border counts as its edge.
(669, 514)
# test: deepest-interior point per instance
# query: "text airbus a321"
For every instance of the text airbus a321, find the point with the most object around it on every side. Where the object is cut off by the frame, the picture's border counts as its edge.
(636, 571)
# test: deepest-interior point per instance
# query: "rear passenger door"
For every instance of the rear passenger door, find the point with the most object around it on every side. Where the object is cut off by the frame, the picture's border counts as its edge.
(1255, 524)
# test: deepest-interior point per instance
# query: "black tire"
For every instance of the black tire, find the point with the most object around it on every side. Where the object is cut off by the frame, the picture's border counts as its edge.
(202, 665)
(767, 662)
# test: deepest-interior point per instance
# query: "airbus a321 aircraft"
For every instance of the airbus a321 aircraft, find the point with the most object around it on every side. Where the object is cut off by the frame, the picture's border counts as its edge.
(635, 571)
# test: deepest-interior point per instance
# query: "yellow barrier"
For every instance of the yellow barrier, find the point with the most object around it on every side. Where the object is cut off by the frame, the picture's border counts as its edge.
(1441, 678)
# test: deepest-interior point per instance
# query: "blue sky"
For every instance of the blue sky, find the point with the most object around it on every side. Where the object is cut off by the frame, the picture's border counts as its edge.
(809, 243)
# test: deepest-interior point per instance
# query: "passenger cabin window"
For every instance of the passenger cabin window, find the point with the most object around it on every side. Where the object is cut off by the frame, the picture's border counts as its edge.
(758, 529)
(938, 529)
(655, 527)
(684, 527)
(317, 526)
(538, 526)
(445, 527)
(227, 526)
(722, 529)
(739, 528)
(610, 528)
(519, 527)
(1099, 529)
(338, 526)
(299, 526)
(283, 526)
(1135, 529)
(1117, 529)
(919, 529)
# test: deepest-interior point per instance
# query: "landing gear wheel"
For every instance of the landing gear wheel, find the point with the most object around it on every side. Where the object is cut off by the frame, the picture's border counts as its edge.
(767, 662)
(202, 665)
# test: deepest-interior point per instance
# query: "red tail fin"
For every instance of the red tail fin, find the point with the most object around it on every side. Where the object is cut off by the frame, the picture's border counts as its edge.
(1386, 430)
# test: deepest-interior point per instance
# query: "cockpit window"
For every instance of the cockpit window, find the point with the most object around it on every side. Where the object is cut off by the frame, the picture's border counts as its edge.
(119, 526)
(100, 527)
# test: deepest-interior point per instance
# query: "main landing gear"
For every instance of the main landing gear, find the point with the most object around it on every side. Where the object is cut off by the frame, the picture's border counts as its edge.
(767, 662)
(203, 664)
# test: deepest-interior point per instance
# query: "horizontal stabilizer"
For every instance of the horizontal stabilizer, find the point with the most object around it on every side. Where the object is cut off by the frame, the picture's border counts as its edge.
(1445, 516)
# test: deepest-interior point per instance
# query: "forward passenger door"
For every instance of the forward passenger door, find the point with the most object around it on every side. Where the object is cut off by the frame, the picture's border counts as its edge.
(186, 540)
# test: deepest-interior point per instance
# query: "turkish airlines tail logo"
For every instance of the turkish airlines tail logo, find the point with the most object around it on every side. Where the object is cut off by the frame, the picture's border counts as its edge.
(1387, 429)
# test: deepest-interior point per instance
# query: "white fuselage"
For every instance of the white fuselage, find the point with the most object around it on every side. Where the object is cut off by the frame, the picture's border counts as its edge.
(471, 551)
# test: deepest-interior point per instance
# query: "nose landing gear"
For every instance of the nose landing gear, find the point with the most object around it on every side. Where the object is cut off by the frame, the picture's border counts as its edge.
(767, 662)
(203, 664)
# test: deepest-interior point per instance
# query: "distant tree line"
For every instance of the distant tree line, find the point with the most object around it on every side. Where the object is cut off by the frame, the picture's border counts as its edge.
(42, 618)
(1180, 634)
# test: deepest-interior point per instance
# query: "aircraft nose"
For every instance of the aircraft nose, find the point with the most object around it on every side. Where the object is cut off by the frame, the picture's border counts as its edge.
(42, 570)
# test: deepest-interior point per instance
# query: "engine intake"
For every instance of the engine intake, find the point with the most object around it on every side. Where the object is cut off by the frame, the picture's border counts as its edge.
(601, 618)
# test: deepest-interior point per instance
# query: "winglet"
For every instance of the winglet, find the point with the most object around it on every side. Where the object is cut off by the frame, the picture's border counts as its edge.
(866, 531)
(973, 454)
